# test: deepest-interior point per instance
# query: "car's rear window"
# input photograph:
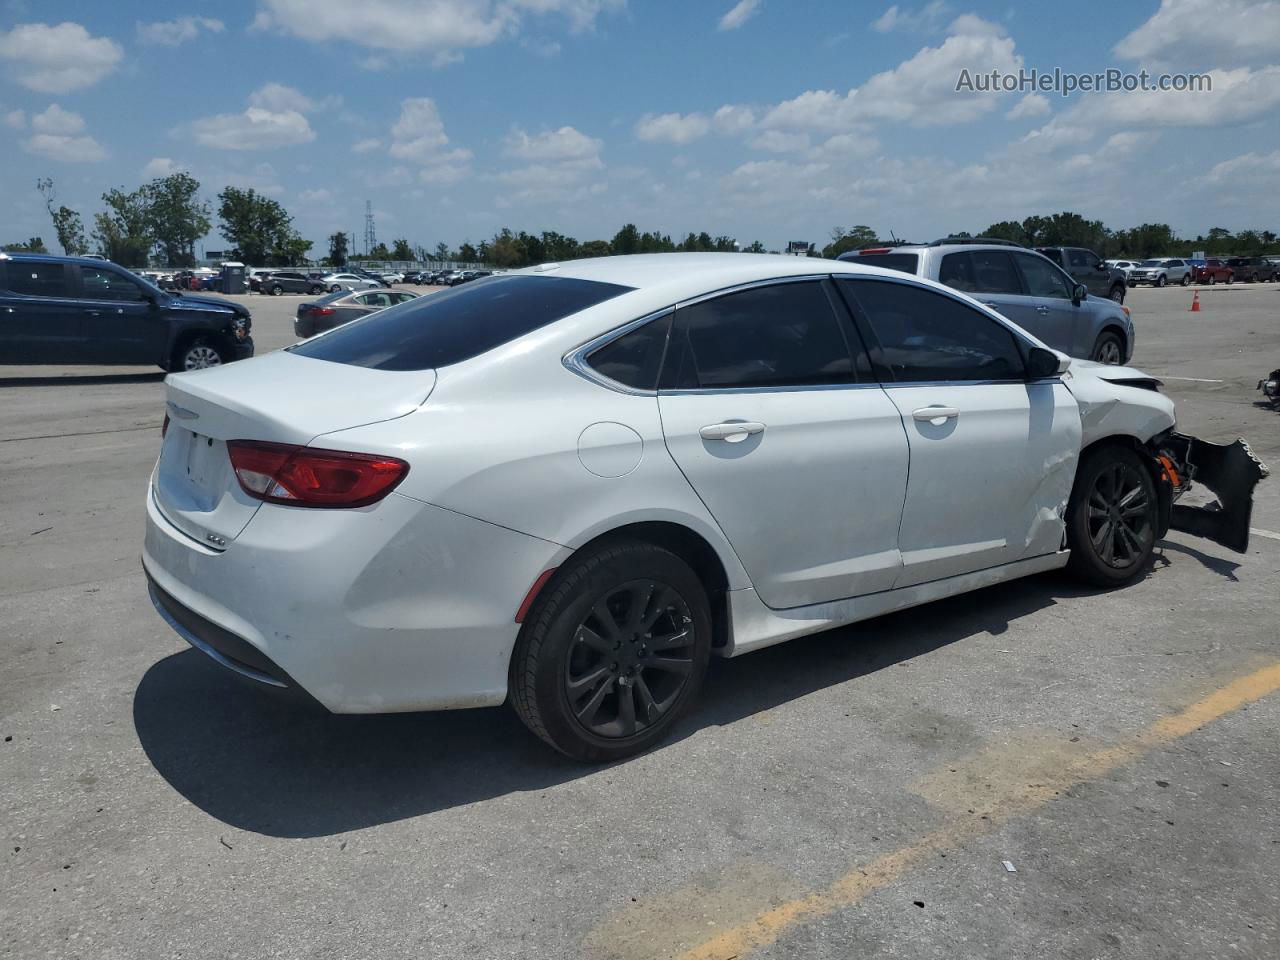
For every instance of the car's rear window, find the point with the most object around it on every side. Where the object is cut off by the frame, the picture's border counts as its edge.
(902, 262)
(445, 328)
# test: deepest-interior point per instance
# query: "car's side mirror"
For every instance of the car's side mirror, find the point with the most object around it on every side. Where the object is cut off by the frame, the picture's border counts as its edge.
(1079, 293)
(1042, 363)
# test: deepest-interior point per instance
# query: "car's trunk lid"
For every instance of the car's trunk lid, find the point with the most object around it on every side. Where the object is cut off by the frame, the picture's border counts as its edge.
(279, 397)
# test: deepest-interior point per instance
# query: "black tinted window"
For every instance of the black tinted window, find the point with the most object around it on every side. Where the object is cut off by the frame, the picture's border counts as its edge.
(634, 358)
(926, 336)
(780, 335)
(902, 262)
(33, 278)
(1042, 277)
(993, 272)
(462, 323)
(1053, 254)
(1081, 258)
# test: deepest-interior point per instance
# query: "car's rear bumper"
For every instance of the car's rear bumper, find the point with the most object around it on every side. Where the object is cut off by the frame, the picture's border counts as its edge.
(398, 606)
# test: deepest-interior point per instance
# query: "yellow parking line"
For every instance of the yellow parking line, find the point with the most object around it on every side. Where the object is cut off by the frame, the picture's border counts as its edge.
(853, 886)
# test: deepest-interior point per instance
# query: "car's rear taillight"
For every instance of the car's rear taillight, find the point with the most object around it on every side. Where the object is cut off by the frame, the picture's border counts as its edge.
(323, 311)
(306, 477)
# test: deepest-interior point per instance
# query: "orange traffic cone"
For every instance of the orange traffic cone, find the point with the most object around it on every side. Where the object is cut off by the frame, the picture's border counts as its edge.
(1195, 302)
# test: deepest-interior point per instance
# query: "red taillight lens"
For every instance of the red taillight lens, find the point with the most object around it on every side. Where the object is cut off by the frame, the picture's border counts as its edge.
(323, 311)
(306, 477)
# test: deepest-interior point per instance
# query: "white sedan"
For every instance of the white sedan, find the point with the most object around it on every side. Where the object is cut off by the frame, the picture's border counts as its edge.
(570, 486)
(333, 282)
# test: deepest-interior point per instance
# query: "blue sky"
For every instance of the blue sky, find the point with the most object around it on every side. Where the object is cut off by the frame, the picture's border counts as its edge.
(763, 120)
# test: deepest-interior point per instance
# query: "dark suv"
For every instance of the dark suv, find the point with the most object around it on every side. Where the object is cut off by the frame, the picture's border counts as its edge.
(80, 310)
(289, 281)
(1088, 268)
(1252, 269)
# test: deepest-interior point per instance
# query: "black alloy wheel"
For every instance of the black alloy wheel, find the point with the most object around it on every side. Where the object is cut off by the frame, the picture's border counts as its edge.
(1111, 518)
(631, 658)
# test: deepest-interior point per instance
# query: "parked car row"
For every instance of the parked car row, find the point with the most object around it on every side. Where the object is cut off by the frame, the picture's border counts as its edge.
(1160, 271)
(1246, 269)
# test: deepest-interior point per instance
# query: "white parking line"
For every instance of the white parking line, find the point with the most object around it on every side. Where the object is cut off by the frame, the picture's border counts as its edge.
(1269, 534)
(1193, 379)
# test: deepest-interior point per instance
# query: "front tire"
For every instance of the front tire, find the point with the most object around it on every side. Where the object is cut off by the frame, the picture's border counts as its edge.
(316, 290)
(199, 354)
(276, 290)
(1213, 279)
(335, 288)
(613, 653)
(1117, 293)
(1111, 518)
(1160, 280)
(1109, 349)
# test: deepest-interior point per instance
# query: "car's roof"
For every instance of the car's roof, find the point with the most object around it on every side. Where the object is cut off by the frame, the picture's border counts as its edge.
(24, 255)
(712, 270)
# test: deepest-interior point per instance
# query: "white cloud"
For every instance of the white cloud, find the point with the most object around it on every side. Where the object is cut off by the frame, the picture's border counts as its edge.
(445, 27)
(1238, 96)
(366, 145)
(418, 136)
(59, 135)
(56, 120)
(927, 17)
(281, 99)
(741, 12)
(734, 118)
(921, 90)
(171, 33)
(1196, 33)
(1032, 105)
(255, 129)
(161, 167)
(58, 59)
(1250, 166)
(273, 119)
(16, 119)
(671, 127)
(563, 144)
(317, 196)
(778, 141)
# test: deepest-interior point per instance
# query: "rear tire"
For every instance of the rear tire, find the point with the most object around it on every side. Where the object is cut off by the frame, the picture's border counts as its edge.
(276, 290)
(1111, 518)
(316, 290)
(1109, 348)
(613, 652)
(1186, 280)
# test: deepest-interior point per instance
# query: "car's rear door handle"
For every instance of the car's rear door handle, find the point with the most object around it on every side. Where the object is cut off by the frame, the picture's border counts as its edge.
(734, 431)
(936, 415)
(1042, 309)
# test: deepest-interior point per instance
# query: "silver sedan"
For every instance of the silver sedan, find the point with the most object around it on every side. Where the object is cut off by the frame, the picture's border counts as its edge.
(341, 307)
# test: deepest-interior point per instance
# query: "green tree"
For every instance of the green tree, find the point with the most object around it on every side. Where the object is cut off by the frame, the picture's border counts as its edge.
(123, 230)
(843, 240)
(1006, 230)
(442, 251)
(177, 217)
(467, 253)
(66, 222)
(34, 245)
(756, 247)
(595, 248)
(338, 249)
(379, 252)
(626, 240)
(259, 228)
(400, 249)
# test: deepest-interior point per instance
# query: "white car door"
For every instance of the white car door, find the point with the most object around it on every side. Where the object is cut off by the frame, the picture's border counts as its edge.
(993, 456)
(799, 457)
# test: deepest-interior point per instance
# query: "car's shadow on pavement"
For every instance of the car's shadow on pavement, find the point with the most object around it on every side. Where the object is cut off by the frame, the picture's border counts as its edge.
(284, 769)
(86, 380)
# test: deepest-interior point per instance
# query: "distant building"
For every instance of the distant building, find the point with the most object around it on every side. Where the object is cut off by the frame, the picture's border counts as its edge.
(799, 248)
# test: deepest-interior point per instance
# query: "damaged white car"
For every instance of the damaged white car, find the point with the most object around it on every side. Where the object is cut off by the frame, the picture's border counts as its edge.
(570, 486)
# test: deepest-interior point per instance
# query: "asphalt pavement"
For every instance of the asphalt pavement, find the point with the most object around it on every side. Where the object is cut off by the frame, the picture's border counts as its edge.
(1031, 770)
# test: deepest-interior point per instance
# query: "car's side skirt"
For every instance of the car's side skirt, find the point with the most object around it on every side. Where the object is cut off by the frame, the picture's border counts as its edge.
(754, 626)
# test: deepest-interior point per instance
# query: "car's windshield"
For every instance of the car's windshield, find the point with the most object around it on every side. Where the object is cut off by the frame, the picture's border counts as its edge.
(1149, 263)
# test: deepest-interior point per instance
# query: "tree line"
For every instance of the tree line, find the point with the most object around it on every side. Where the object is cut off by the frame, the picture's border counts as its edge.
(1069, 229)
(163, 219)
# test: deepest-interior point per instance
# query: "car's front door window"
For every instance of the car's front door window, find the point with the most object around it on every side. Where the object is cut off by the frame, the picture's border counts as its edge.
(101, 284)
(1043, 278)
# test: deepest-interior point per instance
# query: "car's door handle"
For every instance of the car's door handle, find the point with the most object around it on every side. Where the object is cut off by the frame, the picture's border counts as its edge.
(734, 431)
(1042, 309)
(94, 313)
(990, 303)
(936, 415)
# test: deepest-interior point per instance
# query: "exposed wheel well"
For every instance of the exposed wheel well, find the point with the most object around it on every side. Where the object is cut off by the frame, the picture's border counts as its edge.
(694, 550)
(1146, 454)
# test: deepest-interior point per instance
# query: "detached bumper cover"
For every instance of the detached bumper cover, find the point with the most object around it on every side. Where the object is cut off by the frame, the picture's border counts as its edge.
(1229, 470)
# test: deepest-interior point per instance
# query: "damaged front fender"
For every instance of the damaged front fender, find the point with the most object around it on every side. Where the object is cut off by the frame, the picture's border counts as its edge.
(1229, 470)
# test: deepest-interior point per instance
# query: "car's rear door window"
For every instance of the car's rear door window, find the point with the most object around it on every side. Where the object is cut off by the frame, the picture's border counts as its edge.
(634, 358)
(462, 323)
(779, 335)
(920, 335)
(993, 272)
(37, 278)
